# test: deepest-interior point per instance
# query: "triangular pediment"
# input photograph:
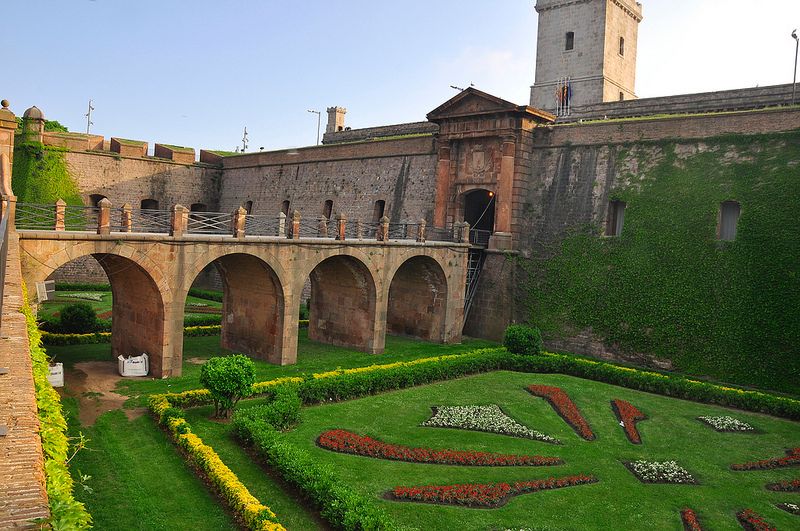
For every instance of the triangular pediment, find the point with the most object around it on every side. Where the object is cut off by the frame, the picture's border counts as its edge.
(474, 102)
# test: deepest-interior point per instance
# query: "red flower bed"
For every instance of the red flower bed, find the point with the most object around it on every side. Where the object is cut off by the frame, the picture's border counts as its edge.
(690, 521)
(489, 495)
(751, 521)
(628, 415)
(565, 407)
(792, 459)
(350, 443)
(792, 485)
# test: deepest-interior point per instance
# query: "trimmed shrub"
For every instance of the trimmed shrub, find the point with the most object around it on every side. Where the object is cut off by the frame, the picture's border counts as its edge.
(81, 286)
(229, 379)
(78, 318)
(523, 339)
(207, 294)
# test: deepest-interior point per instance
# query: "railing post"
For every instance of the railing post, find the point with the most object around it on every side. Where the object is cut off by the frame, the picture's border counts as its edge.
(104, 217)
(465, 233)
(295, 225)
(322, 228)
(341, 221)
(281, 224)
(61, 208)
(10, 204)
(421, 231)
(127, 218)
(457, 231)
(359, 230)
(383, 230)
(239, 222)
(179, 222)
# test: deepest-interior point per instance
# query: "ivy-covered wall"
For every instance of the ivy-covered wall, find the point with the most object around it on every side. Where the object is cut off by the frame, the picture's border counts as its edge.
(40, 175)
(667, 287)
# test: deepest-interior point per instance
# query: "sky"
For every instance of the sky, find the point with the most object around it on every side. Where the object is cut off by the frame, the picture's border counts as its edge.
(196, 72)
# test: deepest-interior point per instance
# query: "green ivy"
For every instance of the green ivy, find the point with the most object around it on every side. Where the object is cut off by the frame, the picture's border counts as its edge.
(667, 286)
(40, 175)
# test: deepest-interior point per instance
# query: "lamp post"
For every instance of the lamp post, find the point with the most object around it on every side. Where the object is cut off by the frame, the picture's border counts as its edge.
(319, 121)
(796, 49)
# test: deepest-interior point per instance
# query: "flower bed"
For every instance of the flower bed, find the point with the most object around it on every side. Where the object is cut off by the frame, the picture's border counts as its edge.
(791, 485)
(792, 508)
(490, 419)
(751, 521)
(565, 407)
(792, 459)
(727, 424)
(96, 297)
(628, 415)
(660, 472)
(350, 443)
(491, 495)
(690, 521)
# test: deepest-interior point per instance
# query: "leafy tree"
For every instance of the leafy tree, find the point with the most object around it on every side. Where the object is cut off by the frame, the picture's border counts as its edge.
(229, 379)
(78, 318)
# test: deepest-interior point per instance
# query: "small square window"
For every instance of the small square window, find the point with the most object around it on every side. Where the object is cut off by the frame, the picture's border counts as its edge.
(570, 44)
(616, 218)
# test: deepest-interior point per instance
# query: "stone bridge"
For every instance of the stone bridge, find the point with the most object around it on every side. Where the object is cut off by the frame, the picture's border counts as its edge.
(361, 289)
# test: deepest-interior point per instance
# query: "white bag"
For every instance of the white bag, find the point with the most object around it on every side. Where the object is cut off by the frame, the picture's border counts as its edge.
(134, 365)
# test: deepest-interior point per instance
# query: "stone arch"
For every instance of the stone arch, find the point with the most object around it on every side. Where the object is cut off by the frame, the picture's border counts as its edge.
(417, 304)
(252, 306)
(343, 302)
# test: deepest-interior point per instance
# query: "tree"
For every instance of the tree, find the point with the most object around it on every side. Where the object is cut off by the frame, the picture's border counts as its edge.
(229, 379)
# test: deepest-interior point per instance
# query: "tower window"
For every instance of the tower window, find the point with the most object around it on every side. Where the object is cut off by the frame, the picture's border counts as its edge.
(328, 209)
(149, 204)
(616, 218)
(728, 219)
(285, 207)
(622, 46)
(248, 207)
(570, 41)
(621, 96)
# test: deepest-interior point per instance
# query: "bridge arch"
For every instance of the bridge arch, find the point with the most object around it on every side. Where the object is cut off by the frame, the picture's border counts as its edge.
(342, 309)
(253, 304)
(139, 292)
(417, 302)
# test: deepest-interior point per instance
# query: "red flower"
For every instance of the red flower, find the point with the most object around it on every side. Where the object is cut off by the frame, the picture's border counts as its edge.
(792, 459)
(690, 521)
(751, 521)
(564, 407)
(792, 485)
(484, 495)
(628, 415)
(350, 443)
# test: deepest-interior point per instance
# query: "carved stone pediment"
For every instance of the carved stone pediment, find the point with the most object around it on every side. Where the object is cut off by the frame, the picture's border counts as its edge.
(471, 102)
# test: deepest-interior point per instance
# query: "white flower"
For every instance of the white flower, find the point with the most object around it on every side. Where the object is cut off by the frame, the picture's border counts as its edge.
(661, 472)
(726, 424)
(483, 418)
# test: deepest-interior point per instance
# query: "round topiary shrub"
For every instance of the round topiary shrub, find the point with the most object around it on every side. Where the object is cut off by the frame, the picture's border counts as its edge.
(523, 339)
(78, 318)
(229, 379)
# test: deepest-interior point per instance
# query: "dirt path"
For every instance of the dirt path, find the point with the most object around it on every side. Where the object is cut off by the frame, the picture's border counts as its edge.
(93, 383)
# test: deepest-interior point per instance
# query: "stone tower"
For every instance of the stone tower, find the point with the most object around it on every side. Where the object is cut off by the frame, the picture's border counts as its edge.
(335, 119)
(590, 42)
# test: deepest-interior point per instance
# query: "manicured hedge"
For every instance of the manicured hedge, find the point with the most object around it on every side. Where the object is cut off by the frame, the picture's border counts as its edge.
(65, 511)
(209, 295)
(105, 337)
(81, 286)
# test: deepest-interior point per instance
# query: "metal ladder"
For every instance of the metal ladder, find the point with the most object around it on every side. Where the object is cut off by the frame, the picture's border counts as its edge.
(474, 266)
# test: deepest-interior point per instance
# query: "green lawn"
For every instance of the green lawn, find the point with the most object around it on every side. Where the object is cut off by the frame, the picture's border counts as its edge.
(311, 357)
(48, 309)
(139, 481)
(618, 501)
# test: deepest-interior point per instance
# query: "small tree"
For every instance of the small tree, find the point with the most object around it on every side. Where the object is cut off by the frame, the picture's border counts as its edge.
(522, 339)
(229, 379)
(78, 318)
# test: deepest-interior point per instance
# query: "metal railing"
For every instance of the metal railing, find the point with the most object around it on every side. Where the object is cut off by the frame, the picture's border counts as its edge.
(150, 221)
(210, 223)
(258, 225)
(479, 237)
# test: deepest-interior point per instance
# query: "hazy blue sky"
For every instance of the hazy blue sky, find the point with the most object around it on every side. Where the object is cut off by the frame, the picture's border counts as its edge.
(194, 72)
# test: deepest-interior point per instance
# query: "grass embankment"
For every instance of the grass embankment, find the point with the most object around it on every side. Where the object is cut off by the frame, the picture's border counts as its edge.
(141, 482)
(51, 309)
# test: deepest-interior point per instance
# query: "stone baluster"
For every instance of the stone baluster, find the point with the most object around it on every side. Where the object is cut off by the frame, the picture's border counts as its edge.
(383, 230)
(457, 232)
(296, 225)
(104, 217)
(179, 222)
(239, 222)
(359, 230)
(61, 210)
(421, 231)
(341, 221)
(322, 228)
(127, 218)
(465, 233)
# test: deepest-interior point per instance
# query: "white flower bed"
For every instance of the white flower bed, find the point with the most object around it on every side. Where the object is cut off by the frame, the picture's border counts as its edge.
(726, 424)
(96, 297)
(483, 418)
(660, 472)
(198, 304)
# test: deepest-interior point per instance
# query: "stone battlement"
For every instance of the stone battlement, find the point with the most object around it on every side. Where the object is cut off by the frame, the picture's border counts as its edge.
(371, 133)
